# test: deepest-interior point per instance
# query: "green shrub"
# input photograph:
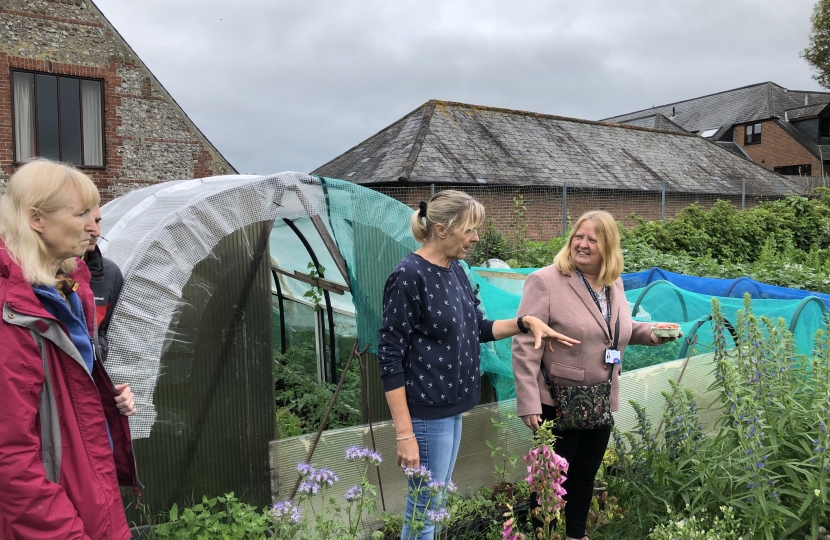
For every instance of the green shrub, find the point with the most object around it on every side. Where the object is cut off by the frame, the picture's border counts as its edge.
(221, 518)
(700, 528)
(784, 242)
(301, 400)
(768, 457)
(491, 245)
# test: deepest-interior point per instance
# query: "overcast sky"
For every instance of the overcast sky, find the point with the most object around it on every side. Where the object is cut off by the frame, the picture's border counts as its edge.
(288, 85)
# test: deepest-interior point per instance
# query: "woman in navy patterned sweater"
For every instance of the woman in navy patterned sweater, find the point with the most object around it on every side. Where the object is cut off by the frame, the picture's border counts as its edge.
(428, 346)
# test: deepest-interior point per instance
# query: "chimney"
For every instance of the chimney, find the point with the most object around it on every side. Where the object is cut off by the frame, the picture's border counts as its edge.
(785, 117)
(806, 98)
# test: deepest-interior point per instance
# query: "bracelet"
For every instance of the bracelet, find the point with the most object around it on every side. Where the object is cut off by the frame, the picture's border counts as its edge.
(404, 438)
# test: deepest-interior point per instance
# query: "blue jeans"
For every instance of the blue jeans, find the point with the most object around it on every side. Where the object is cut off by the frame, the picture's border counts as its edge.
(438, 442)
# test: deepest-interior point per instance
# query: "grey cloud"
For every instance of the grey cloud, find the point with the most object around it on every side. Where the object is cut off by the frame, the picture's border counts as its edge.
(279, 85)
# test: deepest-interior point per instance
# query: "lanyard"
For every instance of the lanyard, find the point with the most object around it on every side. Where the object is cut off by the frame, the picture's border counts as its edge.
(607, 316)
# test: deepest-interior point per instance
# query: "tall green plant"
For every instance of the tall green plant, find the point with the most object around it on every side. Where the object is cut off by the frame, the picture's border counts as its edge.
(519, 226)
(767, 458)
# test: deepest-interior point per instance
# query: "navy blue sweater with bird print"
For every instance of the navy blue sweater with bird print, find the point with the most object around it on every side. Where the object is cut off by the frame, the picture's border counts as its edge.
(429, 341)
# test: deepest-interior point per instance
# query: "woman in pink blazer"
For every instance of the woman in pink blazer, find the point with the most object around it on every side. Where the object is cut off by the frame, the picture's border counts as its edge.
(581, 295)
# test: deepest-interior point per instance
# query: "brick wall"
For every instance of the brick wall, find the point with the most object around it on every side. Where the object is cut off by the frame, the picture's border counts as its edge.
(777, 148)
(543, 215)
(147, 137)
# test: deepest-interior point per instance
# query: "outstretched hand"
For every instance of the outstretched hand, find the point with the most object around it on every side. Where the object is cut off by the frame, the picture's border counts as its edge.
(543, 332)
(661, 340)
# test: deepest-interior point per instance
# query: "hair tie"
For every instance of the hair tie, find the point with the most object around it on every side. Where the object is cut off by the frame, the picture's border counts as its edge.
(422, 212)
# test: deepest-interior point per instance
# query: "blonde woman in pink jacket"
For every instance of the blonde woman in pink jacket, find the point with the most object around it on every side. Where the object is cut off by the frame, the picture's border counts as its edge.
(581, 295)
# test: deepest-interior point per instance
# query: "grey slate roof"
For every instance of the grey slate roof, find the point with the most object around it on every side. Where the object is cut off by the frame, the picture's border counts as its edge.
(454, 143)
(724, 109)
(803, 113)
(656, 121)
(820, 151)
(734, 147)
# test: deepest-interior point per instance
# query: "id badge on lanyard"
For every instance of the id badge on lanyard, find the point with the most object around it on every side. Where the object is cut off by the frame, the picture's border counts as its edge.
(612, 355)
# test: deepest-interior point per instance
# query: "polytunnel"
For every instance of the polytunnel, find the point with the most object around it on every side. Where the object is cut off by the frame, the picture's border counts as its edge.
(221, 274)
(216, 275)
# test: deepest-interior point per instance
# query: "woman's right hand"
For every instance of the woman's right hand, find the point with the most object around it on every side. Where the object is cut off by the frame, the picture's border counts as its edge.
(533, 421)
(408, 453)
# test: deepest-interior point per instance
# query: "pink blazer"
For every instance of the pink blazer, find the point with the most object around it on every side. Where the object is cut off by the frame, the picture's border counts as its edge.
(566, 305)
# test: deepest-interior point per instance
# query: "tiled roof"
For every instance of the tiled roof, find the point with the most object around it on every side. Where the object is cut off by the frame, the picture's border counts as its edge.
(455, 143)
(724, 109)
(734, 147)
(656, 121)
(803, 113)
(820, 151)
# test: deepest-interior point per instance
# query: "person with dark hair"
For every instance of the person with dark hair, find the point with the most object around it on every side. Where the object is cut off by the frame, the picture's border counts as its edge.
(582, 294)
(64, 438)
(106, 283)
(428, 346)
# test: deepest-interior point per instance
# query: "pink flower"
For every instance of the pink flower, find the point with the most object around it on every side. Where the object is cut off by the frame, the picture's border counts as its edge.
(508, 534)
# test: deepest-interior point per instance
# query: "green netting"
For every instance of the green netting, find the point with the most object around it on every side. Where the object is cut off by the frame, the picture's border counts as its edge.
(372, 234)
(660, 301)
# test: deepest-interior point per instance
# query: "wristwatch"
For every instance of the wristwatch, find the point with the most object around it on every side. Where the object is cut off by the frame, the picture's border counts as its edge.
(520, 323)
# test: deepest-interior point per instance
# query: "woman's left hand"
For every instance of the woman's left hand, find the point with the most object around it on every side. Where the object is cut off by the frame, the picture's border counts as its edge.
(125, 400)
(541, 332)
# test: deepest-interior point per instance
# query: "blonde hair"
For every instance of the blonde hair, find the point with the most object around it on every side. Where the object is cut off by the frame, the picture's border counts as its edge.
(452, 209)
(41, 184)
(608, 244)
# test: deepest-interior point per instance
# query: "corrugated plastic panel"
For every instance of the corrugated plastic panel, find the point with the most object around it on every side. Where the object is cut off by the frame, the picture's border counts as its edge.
(215, 395)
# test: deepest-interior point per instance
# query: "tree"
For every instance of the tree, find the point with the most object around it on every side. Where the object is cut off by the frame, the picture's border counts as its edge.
(817, 54)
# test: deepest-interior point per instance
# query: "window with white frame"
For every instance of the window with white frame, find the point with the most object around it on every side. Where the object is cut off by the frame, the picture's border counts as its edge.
(753, 134)
(58, 117)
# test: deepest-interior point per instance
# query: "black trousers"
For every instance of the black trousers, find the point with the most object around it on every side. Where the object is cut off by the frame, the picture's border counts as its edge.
(584, 450)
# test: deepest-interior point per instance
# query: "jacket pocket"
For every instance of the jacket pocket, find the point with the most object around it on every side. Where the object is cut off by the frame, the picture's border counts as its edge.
(566, 372)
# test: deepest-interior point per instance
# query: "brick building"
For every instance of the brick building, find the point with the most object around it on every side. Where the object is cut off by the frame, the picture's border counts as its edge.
(550, 169)
(72, 89)
(786, 131)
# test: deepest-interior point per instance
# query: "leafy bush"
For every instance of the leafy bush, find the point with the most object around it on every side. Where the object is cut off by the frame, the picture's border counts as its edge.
(221, 518)
(700, 527)
(491, 245)
(784, 242)
(301, 400)
(768, 457)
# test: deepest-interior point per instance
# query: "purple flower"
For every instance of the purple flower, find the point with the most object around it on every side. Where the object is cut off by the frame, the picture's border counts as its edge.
(355, 453)
(305, 469)
(324, 476)
(438, 516)
(436, 487)
(310, 488)
(353, 493)
(451, 487)
(419, 472)
(284, 509)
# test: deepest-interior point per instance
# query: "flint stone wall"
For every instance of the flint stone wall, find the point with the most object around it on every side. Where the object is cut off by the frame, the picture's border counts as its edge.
(147, 137)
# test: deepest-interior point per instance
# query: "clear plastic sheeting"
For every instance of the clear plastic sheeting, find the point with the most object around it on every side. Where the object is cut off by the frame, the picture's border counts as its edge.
(157, 235)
